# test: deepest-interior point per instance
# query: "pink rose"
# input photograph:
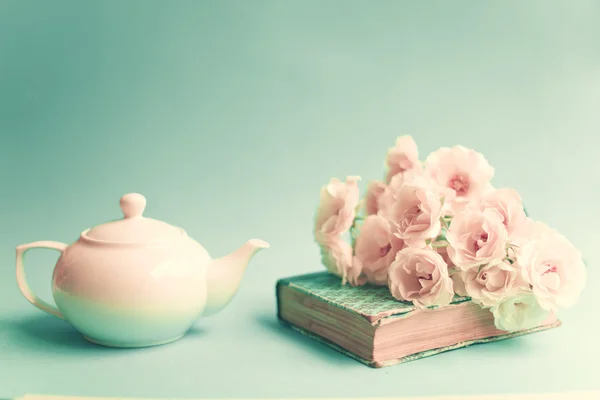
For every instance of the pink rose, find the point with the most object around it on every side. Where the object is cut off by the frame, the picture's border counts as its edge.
(375, 191)
(420, 275)
(553, 267)
(399, 179)
(457, 276)
(476, 237)
(415, 213)
(458, 282)
(508, 204)
(443, 251)
(492, 283)
(376, 248)
(518, 312)
(402, 157)
(390, 192)
(354, 274)
(337, 208)
(336, 256)
(525, 231)
(464, 171)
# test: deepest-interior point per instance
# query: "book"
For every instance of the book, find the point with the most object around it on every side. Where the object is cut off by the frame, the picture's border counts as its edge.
(369, 325)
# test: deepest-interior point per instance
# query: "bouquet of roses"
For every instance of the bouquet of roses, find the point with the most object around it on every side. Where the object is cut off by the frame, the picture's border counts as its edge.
(435, 229)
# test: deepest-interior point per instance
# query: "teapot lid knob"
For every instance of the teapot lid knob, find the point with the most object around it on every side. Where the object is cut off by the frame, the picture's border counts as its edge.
(133, 205)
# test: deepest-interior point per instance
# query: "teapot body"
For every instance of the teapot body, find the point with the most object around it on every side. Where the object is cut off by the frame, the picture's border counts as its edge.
(127, 295)
(136, 281)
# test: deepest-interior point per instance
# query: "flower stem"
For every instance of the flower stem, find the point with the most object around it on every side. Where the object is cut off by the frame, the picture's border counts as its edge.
(439, 244)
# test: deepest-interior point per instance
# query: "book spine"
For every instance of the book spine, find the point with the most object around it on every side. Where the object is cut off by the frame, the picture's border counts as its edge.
(280, 283)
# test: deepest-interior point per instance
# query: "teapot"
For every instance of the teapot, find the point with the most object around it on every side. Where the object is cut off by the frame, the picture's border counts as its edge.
(137, 281)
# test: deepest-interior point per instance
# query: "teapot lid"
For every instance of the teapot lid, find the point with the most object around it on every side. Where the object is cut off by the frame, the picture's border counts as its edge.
(134, 227)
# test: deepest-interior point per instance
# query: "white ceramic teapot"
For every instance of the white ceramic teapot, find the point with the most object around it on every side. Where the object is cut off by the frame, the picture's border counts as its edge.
(137, 281)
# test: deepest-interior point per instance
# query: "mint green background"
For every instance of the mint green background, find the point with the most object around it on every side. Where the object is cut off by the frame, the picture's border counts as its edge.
(230, 115)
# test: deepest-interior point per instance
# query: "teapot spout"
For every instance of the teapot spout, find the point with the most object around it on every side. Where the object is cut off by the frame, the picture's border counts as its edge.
(225, 274)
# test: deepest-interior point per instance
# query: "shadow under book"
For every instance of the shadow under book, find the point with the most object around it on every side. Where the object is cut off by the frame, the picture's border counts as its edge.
(369, 325)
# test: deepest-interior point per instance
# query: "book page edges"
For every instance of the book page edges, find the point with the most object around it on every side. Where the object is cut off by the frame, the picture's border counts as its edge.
(420, 355)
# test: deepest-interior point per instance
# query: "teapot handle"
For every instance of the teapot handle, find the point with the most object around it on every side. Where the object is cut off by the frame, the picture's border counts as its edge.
(22, 282)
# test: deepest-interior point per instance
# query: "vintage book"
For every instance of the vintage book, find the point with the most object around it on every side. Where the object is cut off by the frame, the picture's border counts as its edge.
(369, 325)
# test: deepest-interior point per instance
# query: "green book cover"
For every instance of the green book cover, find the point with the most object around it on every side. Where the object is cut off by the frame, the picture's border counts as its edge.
(373, 303)
(369, 301)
